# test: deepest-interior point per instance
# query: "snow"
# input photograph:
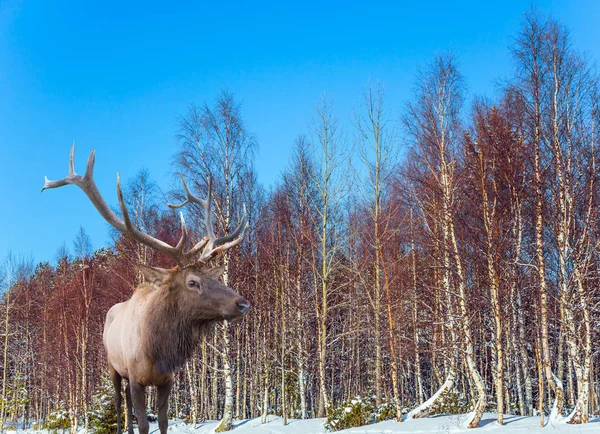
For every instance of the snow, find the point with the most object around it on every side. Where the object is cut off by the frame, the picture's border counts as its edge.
(468, 419)
(438, 424)
(554, 414)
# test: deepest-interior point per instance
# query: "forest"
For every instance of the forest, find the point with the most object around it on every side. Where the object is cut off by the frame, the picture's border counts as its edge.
(435, 256)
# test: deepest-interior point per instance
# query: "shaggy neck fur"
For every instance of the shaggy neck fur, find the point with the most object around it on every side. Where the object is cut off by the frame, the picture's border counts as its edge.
(172, 333)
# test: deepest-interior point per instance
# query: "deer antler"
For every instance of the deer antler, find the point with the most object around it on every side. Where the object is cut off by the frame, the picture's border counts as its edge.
(211, 244)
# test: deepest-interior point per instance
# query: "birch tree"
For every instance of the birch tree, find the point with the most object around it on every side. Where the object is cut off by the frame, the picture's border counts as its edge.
(215, 144)
(532, 73)
(433, 123)
(326, 204)
(377, 152)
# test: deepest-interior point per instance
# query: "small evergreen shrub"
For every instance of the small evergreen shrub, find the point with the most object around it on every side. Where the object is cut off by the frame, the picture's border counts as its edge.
(58, 420)
(453, 403)
(354, 412)
(514, 407)
(357, 411)
(509, 408)
(103, 416)
(386, 411)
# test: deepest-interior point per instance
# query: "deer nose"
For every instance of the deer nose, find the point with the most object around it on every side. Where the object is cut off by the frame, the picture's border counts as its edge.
(243, 306)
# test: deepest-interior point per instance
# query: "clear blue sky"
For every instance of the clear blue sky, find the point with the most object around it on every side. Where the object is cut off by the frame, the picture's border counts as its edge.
(115, 75)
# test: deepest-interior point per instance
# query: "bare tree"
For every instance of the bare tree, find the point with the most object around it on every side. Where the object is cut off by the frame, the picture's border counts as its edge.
(329, 155)
(214, 140)
(377, 150)
(433, 123)
(532, 73)
(7, 278)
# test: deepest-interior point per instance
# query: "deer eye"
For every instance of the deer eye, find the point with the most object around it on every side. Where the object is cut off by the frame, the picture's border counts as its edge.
(192, 284)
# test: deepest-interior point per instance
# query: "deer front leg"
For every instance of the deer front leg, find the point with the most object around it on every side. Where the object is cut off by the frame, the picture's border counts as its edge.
(138, 399)
(116, 379)
(163, 405)
(129, 408)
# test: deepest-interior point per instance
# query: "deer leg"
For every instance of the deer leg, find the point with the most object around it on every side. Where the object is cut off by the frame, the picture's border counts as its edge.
(129, 408)
(163, 405)
(116, 379)
(138, 399)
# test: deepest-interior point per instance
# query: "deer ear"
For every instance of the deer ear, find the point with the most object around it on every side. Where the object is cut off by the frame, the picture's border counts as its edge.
(216, 272)
(154, 276)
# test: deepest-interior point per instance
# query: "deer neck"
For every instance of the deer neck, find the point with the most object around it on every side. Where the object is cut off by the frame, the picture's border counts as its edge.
(172, 334)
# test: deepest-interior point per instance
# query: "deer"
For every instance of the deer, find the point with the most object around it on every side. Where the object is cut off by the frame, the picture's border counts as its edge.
(151, 335)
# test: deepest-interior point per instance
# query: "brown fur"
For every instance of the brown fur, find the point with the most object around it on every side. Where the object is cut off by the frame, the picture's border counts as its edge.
(172, 330)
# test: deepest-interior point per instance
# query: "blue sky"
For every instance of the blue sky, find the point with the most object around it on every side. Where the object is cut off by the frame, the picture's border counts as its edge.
(116, 75)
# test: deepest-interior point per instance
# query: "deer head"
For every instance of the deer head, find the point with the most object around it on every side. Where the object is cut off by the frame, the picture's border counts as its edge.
(200, 296)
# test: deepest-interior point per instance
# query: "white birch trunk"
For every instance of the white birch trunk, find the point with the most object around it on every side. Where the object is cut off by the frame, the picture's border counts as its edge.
(226, 423)
(265, 403)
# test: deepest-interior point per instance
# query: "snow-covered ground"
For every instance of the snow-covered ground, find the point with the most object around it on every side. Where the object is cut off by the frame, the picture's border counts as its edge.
(437, 424)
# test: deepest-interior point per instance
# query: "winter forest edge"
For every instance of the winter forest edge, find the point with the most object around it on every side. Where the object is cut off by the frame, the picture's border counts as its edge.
(446, 260)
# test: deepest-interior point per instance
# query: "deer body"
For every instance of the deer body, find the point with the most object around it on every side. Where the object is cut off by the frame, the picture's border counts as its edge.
(124, 340)
(152, 334)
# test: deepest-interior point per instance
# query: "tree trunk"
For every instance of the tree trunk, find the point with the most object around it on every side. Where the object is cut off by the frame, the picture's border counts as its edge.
(226, 423)
(265, 404)
(396, 393)
(5, 359)
(418, 375)
(488, 215)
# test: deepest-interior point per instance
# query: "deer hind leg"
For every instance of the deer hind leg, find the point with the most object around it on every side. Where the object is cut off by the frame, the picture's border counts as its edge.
(163, 405)
(129, 408)
(138, 399)
(116, 379)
